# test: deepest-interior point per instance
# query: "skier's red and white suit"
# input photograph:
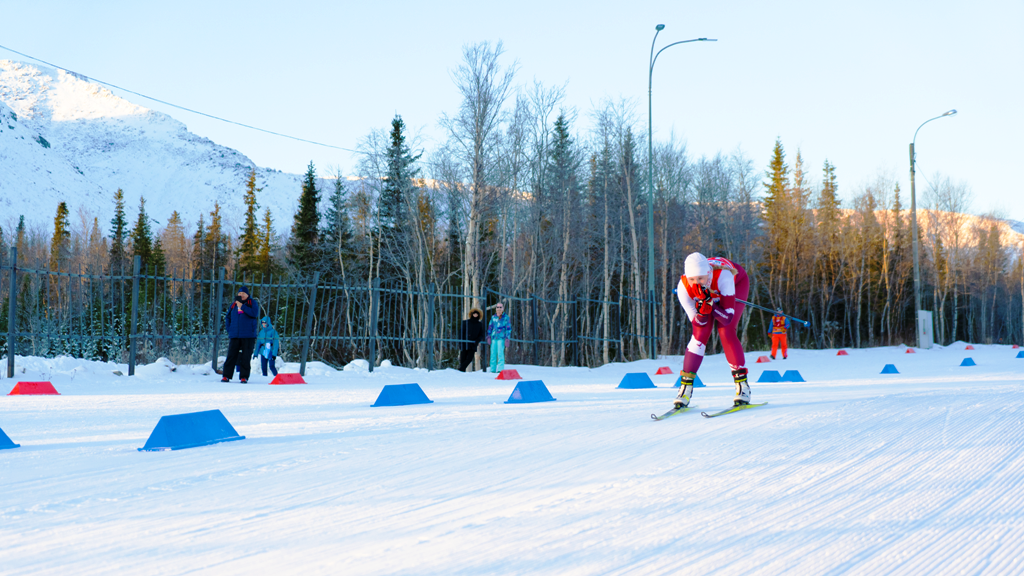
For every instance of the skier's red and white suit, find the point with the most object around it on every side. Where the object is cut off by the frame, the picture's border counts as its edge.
(728, 282)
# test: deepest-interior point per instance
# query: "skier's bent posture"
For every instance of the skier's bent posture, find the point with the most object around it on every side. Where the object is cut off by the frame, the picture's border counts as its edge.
(708, 291)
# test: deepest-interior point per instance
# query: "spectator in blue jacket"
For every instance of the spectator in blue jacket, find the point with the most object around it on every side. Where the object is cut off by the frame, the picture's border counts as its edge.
(498, 330)
(241, 322)
(267, 346)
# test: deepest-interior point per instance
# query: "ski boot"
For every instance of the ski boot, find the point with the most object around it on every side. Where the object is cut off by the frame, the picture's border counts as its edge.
(739, 375)
(685, 389)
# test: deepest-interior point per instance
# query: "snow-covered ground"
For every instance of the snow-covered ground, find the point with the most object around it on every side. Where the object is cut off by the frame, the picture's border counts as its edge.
(852, 472)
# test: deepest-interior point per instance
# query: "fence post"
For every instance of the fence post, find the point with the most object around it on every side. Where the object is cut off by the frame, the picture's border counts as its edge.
(533, 314)
(651, 330)
(12, 312)
(309, 324)
(132, 336)
(218, 318)
(430, 326)
(374, 302)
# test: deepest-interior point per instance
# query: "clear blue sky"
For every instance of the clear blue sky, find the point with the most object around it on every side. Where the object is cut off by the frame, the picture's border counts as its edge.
(846, 81)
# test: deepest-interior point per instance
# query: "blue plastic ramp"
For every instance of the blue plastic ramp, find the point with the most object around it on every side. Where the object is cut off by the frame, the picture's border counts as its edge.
(5, 441)
(770, 376)
(890, 369)
(968, 362)
(401, 395)
(793, 376)
(635, 380)
(530, 391)
(696, 382)
(180, 431)
(1020, 354)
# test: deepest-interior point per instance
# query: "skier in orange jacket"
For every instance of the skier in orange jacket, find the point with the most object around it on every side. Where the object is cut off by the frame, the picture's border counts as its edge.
(780, 326)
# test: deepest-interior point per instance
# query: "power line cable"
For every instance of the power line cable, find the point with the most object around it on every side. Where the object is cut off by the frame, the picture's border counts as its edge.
(91, 79)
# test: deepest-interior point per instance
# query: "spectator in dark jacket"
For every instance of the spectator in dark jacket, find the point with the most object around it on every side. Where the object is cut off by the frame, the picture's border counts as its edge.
(242, 323)
(472, 330)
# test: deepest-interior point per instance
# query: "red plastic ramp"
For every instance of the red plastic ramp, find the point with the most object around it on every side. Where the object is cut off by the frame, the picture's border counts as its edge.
(761, 359)
(509, 374)
(290, 378)
(910, 351)
(969, 347)
(664, 370)
(33, 388)
(842, 353)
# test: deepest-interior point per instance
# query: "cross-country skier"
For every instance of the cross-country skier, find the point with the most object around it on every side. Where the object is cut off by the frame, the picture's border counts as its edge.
(780, 326)
(708, 291)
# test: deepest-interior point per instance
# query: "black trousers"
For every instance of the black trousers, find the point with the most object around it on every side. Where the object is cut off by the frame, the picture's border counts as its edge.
(465, 359)
(239, 354)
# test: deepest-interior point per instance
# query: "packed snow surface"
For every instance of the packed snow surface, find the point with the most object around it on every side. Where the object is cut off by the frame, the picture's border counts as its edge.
(851, 472)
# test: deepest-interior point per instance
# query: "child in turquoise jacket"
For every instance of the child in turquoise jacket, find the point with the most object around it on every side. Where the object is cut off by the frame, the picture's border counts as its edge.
(498, 330)
(267, 346)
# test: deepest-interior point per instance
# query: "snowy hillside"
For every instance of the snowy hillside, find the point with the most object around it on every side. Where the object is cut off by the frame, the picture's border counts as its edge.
(851, 472)
(63, 138)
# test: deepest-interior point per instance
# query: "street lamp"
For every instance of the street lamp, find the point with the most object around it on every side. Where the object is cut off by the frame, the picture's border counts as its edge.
(650, 180)
(913, 226)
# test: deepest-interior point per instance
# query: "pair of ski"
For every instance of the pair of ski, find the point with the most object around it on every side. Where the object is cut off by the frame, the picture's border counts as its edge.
(675, 411)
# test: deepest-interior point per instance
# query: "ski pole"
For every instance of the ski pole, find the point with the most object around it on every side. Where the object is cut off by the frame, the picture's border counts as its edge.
(804, 322)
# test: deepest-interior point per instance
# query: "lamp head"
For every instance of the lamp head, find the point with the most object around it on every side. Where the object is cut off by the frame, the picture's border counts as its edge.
(659, 27)
(950, 113)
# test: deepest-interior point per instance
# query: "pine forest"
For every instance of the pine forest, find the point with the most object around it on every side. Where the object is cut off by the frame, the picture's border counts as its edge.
(520, 203)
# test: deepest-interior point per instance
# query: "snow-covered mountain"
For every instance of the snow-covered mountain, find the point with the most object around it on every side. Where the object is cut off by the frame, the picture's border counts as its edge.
(65, 138)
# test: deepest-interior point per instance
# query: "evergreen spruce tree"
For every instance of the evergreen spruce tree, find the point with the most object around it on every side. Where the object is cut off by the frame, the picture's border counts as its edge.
(897, 220)
(142, 237)
(777, 187)
(97, 247)
(119, 237)
(60, 245)
(19, 238)
(828, 207)
(563, 161)
(396, 198)
(158, 260)
(780, 240)
(303, 253)
(399, 179)
(265, 250)
(336, 237)
(249, 242)
(200, 268)
(215, 242)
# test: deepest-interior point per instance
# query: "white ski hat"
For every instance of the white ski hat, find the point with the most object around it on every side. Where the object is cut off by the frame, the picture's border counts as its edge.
(696, 265)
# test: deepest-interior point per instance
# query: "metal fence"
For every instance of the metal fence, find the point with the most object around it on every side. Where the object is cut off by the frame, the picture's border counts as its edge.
(143, 316)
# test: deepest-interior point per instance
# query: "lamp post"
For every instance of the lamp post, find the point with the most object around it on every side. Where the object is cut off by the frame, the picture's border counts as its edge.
(913, 231)
(650, 179)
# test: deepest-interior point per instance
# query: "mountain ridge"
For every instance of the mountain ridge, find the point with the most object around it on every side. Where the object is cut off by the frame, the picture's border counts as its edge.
(63, 138)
